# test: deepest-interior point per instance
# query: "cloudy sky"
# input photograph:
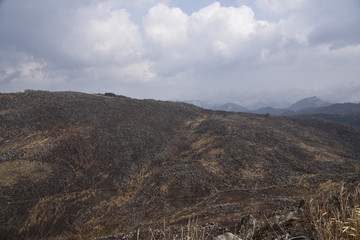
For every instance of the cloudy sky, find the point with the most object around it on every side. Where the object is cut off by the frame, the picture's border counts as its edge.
(245, 51)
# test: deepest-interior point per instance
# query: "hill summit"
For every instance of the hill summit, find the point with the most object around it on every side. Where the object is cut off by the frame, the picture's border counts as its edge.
(310, 102)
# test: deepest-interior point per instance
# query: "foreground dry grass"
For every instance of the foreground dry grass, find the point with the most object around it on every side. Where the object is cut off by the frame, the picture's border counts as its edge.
(336, 215)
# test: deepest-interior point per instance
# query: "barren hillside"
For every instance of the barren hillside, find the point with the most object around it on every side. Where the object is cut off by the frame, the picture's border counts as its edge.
(76, 165)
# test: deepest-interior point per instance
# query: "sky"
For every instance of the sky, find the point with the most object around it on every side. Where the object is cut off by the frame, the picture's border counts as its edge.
(250, 52)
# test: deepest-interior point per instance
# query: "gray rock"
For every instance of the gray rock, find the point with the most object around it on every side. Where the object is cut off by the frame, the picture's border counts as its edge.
(300, 238)
(247, 220)
(227, 236)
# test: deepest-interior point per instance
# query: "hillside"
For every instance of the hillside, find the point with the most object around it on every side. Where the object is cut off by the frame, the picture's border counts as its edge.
(76, 165)
(347, 113)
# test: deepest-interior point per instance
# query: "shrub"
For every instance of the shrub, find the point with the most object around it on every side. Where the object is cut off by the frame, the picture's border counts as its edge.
(109, 94)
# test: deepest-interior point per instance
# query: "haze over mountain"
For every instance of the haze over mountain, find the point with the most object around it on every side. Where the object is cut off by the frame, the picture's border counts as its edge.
(78, 166)
(347, 113)
(309, 102)
(232, 107)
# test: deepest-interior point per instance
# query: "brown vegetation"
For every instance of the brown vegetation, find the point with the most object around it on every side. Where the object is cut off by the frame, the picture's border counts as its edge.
(336, 214)
(79, 166)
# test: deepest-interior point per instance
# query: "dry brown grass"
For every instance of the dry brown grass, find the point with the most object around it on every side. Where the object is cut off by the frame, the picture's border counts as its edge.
(336, 215)
(19, 170)
(191, 231)
(253, 174)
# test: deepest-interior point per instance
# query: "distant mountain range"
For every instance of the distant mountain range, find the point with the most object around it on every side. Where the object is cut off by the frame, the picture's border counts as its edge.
(306, 103)
(230, 107)
(348, 113)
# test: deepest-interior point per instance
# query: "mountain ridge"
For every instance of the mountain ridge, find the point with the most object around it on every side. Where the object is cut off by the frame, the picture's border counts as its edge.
(309, 102)
(346, 113)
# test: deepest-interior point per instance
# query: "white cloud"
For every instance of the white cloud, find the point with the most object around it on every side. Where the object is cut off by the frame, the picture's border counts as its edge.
(294, 29)
(27, 73)
(109, 37)
(214, 35)
(166, 26)
(137, 72)
(93, 35)
(238, 21)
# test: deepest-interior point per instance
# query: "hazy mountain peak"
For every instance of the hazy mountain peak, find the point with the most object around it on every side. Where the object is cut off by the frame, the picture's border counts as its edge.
(309, 102)
(233, 107)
